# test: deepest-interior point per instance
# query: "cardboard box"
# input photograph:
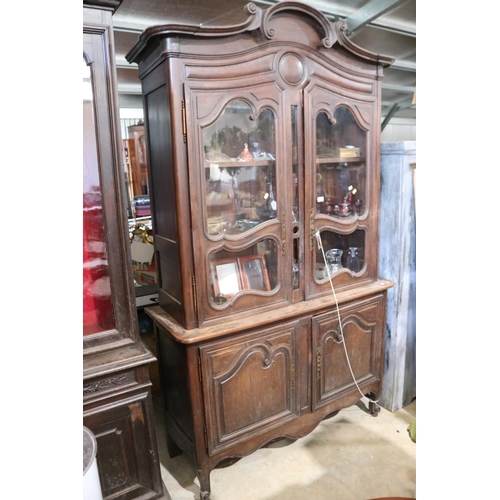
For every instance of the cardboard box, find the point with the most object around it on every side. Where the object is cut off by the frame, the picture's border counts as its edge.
(347, 152)
(145, 277)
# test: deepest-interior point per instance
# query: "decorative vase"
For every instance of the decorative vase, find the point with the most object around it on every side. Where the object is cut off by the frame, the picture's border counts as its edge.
(352, 261)
(333, 261)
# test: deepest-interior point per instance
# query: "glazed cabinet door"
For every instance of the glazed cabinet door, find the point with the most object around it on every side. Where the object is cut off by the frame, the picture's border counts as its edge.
(249, 385)
(238, 199)
(362, 329)
(341, 179)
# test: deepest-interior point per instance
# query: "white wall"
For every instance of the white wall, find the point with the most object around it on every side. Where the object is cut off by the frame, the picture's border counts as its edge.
(399, 129)
(128, 117)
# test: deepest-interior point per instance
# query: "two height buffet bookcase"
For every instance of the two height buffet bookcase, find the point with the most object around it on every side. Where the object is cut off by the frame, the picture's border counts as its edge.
(263, 162)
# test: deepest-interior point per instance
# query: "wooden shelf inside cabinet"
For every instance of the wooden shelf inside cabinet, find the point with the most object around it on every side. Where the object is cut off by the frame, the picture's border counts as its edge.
(352, 159)
(238, 164)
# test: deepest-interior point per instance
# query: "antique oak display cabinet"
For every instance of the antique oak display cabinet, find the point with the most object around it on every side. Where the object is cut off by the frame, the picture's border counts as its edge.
(117, 404)
(263, 157)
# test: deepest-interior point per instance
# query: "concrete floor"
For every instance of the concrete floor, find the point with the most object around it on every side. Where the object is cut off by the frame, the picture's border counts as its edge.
(352, 456)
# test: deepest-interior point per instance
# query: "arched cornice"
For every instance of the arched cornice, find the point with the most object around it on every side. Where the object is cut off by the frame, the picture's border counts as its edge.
(252, 22)
(258, 19)
(340, 28)
(329, 36)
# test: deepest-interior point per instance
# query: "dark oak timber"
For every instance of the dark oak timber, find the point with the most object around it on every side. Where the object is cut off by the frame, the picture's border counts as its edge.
(117, 404)
(262, 137)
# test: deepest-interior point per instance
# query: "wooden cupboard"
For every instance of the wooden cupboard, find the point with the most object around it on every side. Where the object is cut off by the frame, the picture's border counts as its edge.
(117, 404)
(263, 157)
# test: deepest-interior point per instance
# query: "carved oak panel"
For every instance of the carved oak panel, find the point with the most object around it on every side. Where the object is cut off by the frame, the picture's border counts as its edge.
(347, 352)
(249, 384)
(124, 447)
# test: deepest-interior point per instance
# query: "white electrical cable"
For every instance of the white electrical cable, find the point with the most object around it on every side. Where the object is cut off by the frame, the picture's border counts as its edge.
(320, 245)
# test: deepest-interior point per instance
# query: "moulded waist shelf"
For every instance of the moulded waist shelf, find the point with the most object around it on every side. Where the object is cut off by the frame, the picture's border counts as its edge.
(238, 164)
(352, 159)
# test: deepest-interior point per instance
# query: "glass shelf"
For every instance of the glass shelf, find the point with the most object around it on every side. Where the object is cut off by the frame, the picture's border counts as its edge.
(239, 170)
(340, 165)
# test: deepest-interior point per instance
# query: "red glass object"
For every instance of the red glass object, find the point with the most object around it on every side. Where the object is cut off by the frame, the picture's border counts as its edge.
(98, 314)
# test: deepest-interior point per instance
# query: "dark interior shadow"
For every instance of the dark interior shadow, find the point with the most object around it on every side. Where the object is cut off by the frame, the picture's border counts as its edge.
(180, 467)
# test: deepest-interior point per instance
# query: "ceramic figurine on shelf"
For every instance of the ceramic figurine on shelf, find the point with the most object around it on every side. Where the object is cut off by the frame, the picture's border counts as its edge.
(345, 208)
(353, 260)
(351, 194)
(245, 155)
(257, 153)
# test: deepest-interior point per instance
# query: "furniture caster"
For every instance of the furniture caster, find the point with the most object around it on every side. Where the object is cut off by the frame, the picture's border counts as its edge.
(374, 409)
(204, 495)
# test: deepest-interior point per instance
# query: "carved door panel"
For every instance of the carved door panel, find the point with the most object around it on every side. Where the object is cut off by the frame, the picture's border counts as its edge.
(249, 385)
(125, 448)
(362, 328)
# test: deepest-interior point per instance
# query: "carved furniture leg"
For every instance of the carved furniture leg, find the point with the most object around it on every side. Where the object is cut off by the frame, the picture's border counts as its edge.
(204, 479)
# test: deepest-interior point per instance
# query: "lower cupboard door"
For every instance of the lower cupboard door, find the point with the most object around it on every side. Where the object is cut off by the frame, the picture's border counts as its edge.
(249, 384)
(363, 329)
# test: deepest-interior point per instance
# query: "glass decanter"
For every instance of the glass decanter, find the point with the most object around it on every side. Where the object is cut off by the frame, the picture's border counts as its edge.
(333, 261)
(352, 261)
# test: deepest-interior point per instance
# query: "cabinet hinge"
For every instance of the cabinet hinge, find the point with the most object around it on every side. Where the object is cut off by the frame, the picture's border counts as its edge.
(184, 127)
(318, 363)
(195, 299)
(199, 366)
(206, 438)
(283, 234)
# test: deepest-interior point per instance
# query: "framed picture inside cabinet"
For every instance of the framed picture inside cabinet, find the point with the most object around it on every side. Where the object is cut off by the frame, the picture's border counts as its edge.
(254, 273)
(226, 277)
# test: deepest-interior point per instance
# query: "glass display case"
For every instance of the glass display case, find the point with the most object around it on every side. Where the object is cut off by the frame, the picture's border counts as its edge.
(240, 195)
(117, 403)
(341, 179)
(263, 143)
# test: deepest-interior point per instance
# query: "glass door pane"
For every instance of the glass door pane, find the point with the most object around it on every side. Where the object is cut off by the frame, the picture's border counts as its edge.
(240, 170)
(241, 195)
(340, 165)
(98, 315)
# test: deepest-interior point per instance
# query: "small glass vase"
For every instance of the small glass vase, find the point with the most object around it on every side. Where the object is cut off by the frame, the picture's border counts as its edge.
(352, 261)
(333, 261)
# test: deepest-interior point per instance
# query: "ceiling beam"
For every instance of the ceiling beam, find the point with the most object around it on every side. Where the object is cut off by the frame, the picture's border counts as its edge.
(389, 115)
(404, 65)
(399, 88)
(369, 12)
(405, 103)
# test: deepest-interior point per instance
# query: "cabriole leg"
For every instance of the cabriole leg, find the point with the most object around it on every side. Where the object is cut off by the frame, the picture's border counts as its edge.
(204, 478)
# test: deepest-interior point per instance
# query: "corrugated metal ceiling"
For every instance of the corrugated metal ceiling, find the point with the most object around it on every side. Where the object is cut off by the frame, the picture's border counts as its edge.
(386, 27)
